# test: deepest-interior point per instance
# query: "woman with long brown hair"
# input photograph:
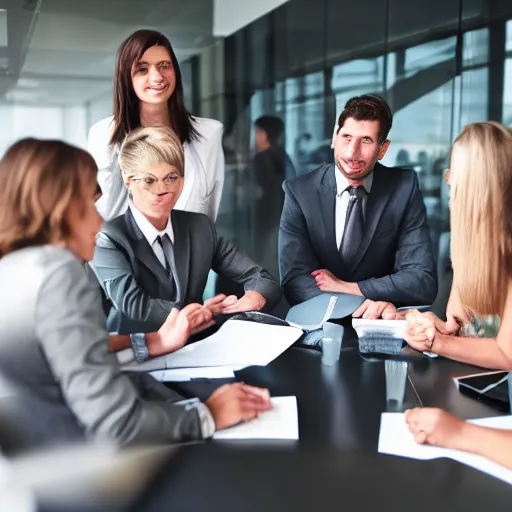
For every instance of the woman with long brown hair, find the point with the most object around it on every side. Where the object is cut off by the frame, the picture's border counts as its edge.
(148, 91)
(480, 178)
(58, 381)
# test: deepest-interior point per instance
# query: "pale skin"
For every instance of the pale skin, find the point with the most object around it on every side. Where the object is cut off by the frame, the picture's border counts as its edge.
(230, 404)
(156, 204)
(357, 148)
(437, 427)
(154, 80)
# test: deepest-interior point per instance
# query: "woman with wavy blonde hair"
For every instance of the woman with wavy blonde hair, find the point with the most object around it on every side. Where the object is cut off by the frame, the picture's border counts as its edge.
(58, 381)
(480, 177)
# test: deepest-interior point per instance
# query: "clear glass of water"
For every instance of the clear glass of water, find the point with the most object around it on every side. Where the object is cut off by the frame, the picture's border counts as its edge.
(396, 379)
(331, 347)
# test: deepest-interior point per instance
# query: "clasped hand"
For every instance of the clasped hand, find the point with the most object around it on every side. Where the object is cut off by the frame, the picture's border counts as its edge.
(424, 328)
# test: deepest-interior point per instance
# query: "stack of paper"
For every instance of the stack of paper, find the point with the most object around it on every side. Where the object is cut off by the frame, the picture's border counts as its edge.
(396, 439)
(236, 344)
(281, 422)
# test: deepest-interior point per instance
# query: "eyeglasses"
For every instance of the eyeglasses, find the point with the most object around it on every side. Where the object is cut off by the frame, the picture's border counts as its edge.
(149, 182)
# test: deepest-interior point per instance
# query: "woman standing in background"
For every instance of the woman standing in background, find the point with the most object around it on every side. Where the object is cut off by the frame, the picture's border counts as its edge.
(148, 91)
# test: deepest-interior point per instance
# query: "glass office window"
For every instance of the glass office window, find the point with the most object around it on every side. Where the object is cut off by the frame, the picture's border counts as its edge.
(507, 94)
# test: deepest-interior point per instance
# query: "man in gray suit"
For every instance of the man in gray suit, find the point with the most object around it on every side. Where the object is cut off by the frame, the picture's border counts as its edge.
(357, 226)
(154, 258)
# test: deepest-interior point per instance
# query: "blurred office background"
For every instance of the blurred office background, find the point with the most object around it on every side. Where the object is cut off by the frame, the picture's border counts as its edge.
(441, 64)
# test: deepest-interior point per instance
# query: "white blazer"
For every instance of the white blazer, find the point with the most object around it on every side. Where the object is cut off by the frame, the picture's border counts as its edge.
(204, 170)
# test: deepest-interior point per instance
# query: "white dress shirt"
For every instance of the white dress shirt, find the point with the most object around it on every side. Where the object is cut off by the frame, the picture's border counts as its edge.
(204, 170)
(151, 233)
(342, 199)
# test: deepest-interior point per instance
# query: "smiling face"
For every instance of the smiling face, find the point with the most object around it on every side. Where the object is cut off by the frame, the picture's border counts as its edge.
(155, 191)
(357, 149)
(153, 76)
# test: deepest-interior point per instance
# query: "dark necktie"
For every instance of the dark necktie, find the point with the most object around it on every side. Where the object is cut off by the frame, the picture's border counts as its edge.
(167, 249)
(354, 226)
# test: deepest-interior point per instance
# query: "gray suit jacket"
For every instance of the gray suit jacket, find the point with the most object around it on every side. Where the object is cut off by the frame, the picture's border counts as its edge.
(58, 382)
(138, 285)
(395, 261)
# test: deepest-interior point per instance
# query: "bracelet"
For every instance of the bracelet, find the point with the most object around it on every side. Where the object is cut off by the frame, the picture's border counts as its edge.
(140, 347)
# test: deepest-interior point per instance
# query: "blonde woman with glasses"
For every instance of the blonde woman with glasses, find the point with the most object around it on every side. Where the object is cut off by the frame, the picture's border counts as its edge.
(480, 178)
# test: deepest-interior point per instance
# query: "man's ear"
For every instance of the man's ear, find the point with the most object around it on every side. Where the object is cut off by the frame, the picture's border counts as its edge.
(383, 149)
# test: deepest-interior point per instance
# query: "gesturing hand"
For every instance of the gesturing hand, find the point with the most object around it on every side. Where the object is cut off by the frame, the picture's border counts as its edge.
(178, 327)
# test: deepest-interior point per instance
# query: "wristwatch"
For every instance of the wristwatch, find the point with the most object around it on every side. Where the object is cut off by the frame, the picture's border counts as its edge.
(139, 346)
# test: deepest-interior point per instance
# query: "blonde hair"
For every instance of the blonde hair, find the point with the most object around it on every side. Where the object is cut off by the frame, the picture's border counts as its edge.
(481, 216)
(39, 180)
(148, 146)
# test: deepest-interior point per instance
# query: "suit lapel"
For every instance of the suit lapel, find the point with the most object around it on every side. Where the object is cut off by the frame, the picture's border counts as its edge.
(327, 202)
(181, 251)
(144, 253)
(382, 189)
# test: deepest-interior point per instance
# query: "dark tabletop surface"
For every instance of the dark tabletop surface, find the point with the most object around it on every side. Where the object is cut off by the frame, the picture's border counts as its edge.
(335, 464)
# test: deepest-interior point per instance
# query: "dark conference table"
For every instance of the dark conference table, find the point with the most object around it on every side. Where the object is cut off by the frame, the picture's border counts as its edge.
(335, 464)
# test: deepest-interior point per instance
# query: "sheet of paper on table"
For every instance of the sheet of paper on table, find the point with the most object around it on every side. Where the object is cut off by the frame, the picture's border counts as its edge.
(236, 343)
(395, 439)
(281, 422)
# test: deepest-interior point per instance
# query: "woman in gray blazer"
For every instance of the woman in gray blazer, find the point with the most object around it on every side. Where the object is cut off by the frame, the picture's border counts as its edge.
(58, 380)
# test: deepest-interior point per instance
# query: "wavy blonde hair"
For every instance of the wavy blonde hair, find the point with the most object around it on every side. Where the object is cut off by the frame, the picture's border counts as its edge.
(39, 180)
(148, 146)
(481, 216)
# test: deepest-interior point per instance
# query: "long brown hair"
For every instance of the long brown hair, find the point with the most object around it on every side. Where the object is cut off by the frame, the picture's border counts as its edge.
(126, 102)
(39, 180)
(481, 216)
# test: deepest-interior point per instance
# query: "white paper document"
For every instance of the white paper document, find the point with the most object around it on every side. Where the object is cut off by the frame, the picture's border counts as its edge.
(186, 374)
(281, 422)
(395, 439)
(237, 343)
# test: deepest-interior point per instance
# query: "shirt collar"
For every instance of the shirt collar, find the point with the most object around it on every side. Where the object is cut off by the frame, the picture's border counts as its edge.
(148, 230)
(342, 182)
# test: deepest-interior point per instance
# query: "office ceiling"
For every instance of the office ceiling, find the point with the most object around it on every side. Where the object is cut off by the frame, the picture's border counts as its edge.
(70, 55)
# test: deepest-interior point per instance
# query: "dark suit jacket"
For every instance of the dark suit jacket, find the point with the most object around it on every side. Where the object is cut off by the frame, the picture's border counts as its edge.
(395, 261)
(139, 287)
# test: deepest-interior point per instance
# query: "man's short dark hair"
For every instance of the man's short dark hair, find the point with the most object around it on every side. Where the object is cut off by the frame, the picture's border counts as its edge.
(273, 127)
(368, 107)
